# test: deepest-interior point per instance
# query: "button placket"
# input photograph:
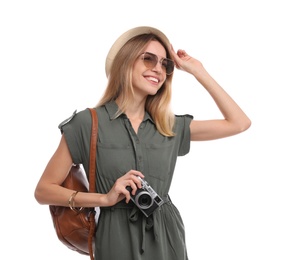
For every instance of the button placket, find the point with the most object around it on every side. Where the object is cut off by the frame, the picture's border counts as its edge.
(136, 145)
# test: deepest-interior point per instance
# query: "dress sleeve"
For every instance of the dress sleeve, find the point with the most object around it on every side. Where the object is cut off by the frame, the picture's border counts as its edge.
(77, 132)
(183, 130)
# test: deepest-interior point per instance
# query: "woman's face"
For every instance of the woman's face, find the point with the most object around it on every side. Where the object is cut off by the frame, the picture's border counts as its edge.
(147, 81)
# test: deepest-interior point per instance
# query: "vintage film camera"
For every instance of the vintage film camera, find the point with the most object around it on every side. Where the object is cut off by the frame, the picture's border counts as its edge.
(146, 199)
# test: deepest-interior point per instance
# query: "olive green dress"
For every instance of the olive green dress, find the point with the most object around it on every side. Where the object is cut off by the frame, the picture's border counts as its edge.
(123, 231)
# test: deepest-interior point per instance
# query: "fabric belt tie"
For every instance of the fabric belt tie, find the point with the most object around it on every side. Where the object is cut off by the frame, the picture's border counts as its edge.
(148, 223)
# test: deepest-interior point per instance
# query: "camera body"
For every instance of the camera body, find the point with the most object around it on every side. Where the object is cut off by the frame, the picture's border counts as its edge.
(146, 199)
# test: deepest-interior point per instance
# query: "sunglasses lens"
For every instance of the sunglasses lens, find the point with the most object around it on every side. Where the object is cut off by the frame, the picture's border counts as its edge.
(150, 61)
(169, 66)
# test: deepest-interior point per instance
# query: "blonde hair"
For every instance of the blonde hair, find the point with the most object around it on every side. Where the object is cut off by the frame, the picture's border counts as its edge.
(120, 85)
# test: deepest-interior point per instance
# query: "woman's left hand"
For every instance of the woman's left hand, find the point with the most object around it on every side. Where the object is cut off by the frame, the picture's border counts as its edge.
(183, 61)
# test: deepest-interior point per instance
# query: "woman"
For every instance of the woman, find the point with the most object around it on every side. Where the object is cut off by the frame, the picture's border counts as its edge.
(139, 140)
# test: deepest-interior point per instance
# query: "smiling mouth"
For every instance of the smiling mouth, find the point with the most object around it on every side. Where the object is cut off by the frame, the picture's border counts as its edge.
(152, 79)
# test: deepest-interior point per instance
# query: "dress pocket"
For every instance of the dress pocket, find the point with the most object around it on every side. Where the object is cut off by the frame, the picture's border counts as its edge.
(160, 160)
(114, 160)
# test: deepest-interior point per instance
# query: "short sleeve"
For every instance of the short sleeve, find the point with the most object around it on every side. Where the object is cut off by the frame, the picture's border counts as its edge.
(183, 131)
(77, 134)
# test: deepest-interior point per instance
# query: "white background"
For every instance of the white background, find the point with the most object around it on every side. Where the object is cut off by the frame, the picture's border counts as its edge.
(234, 193)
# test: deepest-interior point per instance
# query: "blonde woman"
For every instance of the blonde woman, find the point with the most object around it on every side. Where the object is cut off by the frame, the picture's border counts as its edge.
(139, 141)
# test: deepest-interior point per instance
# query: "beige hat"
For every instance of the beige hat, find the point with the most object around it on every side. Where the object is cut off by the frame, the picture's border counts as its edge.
(125, 37)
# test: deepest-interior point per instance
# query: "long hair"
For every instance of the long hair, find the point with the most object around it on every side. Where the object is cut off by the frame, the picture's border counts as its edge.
(120, 85)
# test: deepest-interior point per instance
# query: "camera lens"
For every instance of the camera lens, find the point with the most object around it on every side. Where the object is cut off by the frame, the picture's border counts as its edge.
(144, 200)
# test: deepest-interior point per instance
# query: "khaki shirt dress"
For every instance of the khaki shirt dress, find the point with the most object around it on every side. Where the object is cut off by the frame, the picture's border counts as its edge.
(123, 231)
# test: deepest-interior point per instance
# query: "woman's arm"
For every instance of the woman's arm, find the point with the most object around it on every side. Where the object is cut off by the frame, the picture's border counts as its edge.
(235, 120)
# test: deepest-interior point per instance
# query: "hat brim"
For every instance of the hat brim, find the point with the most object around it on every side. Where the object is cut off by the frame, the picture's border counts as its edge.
(125, 37)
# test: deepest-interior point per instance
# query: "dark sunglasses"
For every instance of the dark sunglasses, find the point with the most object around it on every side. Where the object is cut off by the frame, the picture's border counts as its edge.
(150, 60)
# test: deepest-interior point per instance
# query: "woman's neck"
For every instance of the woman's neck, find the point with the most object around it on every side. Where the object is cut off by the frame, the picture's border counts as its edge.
(135, 111)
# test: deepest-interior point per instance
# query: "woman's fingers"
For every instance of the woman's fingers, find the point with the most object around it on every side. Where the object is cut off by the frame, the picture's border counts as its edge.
(128, 183)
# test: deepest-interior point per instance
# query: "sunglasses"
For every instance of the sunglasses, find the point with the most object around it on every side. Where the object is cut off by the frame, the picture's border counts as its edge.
(150, 60)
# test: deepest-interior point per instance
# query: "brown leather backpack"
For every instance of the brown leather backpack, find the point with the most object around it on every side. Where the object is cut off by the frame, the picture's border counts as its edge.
(76, 228)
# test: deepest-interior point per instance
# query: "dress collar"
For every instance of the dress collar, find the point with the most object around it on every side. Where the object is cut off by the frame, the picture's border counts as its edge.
(112, 109)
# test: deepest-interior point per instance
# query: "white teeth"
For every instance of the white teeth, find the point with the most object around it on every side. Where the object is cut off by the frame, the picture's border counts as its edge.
(153, 79)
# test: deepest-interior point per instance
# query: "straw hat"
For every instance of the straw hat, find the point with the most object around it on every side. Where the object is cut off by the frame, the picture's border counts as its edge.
(125, 37)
